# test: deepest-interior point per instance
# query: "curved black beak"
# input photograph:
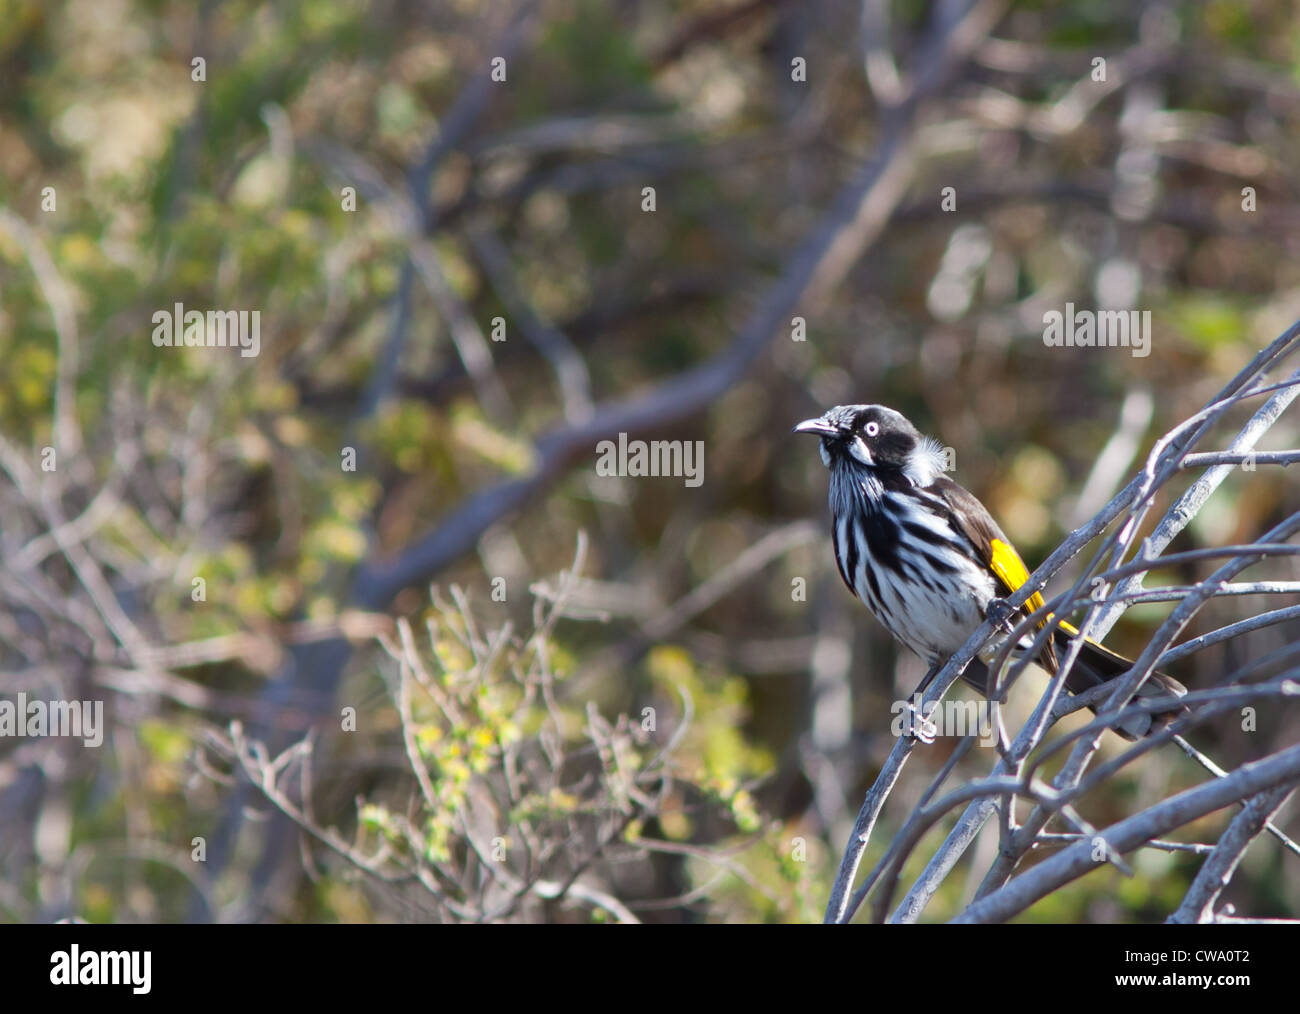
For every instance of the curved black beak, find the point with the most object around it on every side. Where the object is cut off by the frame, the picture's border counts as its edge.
(819, 426)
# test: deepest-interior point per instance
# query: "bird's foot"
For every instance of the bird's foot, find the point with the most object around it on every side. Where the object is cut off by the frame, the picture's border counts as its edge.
(999, 613)
(916, 723)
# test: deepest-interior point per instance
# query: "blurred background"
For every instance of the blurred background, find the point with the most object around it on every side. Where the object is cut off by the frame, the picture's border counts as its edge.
(481, 239)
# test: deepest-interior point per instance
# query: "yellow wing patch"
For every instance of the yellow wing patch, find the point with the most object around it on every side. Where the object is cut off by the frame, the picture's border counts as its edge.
(1012, 572)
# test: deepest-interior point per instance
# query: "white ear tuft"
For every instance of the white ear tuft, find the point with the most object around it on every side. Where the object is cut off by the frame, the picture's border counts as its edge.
(925, 463)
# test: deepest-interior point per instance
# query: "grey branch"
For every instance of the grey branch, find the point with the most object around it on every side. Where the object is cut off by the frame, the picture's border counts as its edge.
(1278, 769)
(1214, 875)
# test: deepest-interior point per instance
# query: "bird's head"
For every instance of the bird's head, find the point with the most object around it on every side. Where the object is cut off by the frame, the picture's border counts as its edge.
(876, 438)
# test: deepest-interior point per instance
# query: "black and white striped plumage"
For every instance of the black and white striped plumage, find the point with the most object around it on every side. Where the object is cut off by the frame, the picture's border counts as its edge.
(924, 554)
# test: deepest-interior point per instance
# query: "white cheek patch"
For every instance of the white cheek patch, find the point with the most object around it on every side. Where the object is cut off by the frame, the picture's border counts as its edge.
(860, 451)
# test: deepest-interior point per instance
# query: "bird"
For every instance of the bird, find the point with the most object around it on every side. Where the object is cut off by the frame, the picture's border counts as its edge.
(930, 562)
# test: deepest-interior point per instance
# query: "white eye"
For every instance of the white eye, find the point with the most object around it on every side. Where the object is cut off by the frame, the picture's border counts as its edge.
(872, 428)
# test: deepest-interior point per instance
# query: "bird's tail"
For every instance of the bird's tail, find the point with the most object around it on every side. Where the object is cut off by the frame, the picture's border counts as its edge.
(1096, 665)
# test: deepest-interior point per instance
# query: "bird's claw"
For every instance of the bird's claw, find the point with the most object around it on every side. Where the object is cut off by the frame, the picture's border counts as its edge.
(999, 614)
(918, 725)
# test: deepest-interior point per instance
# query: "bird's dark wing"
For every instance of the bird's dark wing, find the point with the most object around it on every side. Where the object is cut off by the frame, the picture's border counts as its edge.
(992, 547)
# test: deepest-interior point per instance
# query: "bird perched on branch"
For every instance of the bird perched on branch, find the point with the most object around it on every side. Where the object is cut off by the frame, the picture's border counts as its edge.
(929, 561)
